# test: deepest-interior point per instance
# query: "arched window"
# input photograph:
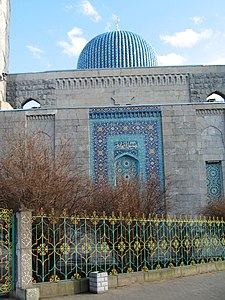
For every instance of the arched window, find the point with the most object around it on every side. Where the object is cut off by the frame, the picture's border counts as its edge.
(215, 97)
(31, 103)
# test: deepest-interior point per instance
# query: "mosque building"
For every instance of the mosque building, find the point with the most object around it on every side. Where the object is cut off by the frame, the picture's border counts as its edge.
(126, 117)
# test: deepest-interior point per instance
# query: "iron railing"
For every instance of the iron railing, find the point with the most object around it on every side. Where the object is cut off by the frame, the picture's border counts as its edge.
(70, 247)
(7, 271)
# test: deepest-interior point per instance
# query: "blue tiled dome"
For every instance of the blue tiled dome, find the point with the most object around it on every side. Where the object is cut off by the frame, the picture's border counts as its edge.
(117, 49)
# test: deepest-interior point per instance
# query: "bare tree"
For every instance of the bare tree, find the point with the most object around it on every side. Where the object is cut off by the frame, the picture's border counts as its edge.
(33, 175)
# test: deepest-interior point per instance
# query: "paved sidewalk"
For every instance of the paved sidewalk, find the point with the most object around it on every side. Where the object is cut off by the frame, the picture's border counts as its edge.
(199, 287)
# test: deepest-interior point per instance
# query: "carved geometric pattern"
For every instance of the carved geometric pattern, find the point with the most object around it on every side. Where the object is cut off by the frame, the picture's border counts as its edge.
(135, 132)
(25, 232)
(214, 180)
(23, 249)
(25, 268)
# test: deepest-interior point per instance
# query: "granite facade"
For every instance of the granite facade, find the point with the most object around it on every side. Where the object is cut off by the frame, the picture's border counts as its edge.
(138, 122)
(134, 86)
(171, 142)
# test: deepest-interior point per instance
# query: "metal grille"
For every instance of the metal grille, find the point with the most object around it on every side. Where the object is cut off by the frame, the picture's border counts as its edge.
(6, 251)
(72, 247)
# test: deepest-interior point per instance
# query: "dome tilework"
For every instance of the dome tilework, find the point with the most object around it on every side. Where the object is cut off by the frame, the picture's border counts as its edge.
(117, 49)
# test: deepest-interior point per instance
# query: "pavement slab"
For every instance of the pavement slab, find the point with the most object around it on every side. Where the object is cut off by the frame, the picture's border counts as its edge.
(199, 287)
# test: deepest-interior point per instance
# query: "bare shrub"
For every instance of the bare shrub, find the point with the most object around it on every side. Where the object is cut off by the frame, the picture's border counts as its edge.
(215, 208)
(34, 176)
(128, 197)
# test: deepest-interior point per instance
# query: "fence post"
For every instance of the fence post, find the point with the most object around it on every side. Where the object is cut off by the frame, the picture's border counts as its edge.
(24, 288)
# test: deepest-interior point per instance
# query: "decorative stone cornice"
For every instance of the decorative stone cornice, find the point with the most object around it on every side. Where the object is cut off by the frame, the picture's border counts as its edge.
(210, 111)
(123, 81)
(41, 117)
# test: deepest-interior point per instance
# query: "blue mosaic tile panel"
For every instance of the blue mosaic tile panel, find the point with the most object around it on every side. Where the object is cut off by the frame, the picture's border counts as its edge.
(214, 180)
(126, 134)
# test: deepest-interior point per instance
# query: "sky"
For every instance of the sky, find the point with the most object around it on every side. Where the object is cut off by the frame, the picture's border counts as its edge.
(48, 35)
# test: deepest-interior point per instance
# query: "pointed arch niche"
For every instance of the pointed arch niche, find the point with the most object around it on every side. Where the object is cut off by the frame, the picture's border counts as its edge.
(215, 97)
(31, 103)
(126, 168)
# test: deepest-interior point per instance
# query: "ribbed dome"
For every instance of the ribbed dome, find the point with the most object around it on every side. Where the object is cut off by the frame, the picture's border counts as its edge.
(117, 49)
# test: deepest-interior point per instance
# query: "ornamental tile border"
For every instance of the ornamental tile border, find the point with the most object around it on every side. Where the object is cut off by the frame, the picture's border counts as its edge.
(129, 126)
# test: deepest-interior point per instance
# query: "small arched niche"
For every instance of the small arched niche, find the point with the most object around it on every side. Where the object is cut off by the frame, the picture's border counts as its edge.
(126, 168)
(30, 104)
(215, 97)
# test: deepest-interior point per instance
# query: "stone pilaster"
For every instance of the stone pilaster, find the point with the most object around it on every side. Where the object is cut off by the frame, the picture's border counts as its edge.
(24, 257)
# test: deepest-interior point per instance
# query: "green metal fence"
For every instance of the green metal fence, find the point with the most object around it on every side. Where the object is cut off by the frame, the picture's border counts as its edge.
(70, 247)
(7, 271)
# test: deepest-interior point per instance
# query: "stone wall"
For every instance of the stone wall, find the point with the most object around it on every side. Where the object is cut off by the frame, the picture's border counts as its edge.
(192, 136)
(203, 84)
(59, 125)
(180, 157)
(154, 85)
